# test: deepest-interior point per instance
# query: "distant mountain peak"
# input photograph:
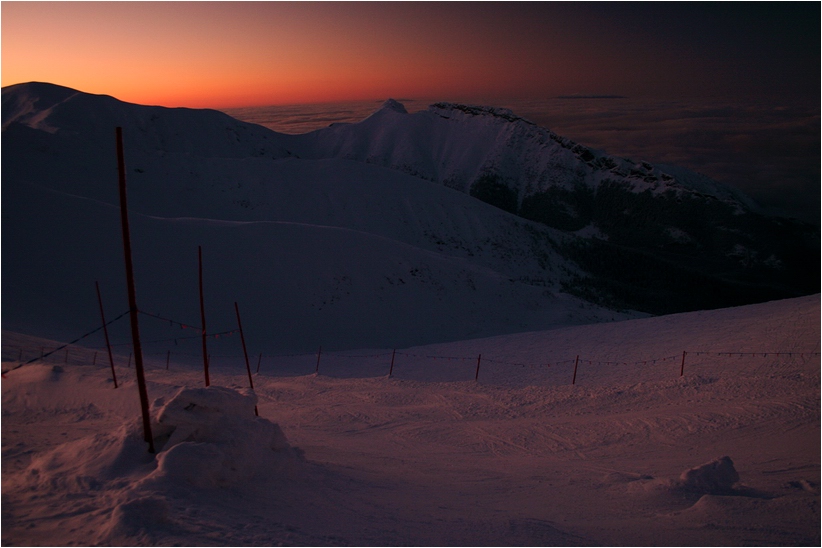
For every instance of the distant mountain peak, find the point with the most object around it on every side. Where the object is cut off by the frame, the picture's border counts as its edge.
(396, 106)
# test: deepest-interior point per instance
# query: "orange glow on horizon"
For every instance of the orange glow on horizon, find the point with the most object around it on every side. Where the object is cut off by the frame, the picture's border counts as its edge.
(219, 55)
(232, 54)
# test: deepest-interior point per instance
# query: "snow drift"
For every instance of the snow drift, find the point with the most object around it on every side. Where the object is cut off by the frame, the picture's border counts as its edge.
(207, 439)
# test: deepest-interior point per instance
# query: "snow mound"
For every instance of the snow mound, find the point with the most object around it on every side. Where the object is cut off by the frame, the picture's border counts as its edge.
(713, 478)
(205, 437)
(210, 437)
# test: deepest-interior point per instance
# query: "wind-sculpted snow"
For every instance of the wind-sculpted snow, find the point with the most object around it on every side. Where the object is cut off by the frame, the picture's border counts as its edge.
(207, 438)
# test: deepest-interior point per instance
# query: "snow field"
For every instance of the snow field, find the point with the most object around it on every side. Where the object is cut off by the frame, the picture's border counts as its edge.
(727, 454)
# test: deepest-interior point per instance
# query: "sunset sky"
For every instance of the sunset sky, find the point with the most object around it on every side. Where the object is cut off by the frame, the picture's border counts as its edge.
(230, 54)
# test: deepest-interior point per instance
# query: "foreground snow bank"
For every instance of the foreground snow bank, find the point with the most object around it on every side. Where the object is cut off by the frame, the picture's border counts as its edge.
(207, 440)
(211, 437)
(626, 456)
(205, 437)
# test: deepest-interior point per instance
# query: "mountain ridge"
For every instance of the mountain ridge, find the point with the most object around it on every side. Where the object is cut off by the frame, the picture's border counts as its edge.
(417, 262)
(581, 253)
(641, 174)
(665, 218)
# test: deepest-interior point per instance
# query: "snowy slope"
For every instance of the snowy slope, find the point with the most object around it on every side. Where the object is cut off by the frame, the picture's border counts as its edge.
(363, 234)
(316, 252)
(728, 454)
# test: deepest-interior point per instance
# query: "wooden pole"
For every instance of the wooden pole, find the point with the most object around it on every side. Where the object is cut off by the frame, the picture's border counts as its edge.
(576, 364)
(319, 353)
(245, 352)
(476, 377)
(168, 359)
(259, 361)
(391, 369)
(132, 294)
(682, 367)
(202, 317)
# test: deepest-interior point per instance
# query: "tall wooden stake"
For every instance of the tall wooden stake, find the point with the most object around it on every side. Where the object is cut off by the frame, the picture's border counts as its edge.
(391, 369)
(319, 353)
(259, 361)
(576, 363)
(245, 352)
(168, 359)
(476, 377)
(682, 367)
(132, 294)
(202, 316)
(105, 332)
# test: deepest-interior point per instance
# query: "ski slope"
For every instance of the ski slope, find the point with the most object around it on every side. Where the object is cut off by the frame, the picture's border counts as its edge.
(631, 454)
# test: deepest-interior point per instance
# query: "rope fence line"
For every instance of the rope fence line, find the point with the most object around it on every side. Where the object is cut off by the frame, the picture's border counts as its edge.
(186, 326)
(78, 339)
(172, 322)
(532, 365)
(553, 363)
(175, 339)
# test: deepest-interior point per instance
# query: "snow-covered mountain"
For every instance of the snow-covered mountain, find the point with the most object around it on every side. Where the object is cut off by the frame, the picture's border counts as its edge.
(658, 238)
(325, 251)
(365, 234)
(493, 154)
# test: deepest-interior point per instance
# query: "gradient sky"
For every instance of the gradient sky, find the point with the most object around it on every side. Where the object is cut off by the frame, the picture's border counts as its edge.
(230, 54)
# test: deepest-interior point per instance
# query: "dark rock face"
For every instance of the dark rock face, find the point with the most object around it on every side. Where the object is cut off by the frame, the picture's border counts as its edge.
(491, 189)
(671, 253)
